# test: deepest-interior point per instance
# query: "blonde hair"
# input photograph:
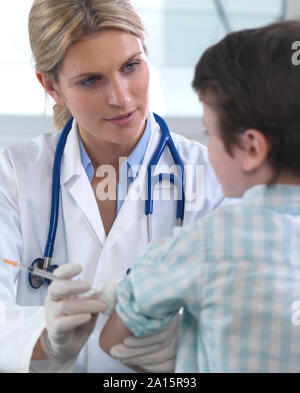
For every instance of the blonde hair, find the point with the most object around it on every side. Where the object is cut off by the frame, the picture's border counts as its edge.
(56, 25)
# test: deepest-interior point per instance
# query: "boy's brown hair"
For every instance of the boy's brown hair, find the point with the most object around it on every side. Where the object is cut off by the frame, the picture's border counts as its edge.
(250, 80)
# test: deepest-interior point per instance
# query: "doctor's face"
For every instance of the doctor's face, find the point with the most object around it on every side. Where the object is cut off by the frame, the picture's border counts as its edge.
(104, 81)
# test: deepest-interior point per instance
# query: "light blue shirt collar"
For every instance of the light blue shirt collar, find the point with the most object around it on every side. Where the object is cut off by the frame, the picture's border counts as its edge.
(133, 162)
(85, 160)
(279, 197)
(137, 156)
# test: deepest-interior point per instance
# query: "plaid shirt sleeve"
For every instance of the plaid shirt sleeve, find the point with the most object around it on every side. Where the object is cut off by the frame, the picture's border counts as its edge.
(237, 275)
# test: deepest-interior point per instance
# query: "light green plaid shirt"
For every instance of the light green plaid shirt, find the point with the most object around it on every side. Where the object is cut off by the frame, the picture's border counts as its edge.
(237, 274)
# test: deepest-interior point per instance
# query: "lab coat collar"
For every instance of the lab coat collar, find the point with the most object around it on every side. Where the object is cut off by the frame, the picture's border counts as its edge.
(132, 210)
(76, 185)
(71, 163)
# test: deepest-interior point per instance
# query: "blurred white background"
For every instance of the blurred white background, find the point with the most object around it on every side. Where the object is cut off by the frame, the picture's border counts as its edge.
(178, 33)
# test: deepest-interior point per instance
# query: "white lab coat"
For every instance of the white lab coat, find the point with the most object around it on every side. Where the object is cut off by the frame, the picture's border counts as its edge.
(25, 199)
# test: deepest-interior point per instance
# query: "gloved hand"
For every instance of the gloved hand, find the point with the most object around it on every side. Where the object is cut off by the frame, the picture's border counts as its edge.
(70, 319)
(108, 296)
(154, 354)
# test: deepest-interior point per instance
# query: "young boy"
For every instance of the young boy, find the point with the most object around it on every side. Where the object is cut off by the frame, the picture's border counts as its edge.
(237, 272)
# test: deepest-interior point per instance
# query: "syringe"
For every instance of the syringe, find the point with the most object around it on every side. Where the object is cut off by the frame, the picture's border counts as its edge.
(44, 274)
(33, 270)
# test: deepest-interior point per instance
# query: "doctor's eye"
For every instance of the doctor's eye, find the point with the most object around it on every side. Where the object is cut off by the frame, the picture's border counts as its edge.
(132, 66)
(90, 81)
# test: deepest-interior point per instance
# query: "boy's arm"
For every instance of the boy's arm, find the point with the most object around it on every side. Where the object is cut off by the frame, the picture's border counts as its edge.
(113, 333)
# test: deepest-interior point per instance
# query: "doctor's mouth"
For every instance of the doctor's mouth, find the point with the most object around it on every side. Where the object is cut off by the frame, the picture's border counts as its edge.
(124, 119)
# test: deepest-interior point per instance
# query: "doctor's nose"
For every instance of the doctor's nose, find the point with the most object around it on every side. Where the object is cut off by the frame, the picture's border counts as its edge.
(118, 94)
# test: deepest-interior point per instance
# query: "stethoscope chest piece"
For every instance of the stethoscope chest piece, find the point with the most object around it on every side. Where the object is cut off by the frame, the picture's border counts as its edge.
(35, 281)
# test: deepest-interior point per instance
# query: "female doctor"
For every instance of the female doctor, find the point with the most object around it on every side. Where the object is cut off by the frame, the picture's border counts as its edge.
(91, 59)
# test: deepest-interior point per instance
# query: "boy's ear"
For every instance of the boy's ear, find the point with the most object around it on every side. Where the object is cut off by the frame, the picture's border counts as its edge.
(50, 86)
(256, 147)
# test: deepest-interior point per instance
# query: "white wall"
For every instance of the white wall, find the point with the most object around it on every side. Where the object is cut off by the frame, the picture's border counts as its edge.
(293, 9)
(18, 128)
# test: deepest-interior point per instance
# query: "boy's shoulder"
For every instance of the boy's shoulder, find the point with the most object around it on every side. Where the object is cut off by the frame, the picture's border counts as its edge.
(227, 213)
(222, 227)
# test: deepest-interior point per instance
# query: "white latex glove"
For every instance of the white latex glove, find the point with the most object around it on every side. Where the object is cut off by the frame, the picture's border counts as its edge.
(154, 354)
(70, 319)
(108, 296)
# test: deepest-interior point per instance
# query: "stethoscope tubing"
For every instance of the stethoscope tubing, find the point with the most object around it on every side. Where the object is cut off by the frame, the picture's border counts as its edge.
(166, 140)
(55, 190)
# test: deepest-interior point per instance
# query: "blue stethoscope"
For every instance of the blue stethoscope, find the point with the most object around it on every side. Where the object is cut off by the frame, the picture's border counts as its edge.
(178, 181)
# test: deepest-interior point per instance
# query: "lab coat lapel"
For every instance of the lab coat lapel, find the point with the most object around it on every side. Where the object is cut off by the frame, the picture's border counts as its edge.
(133, 208)
(76, 189)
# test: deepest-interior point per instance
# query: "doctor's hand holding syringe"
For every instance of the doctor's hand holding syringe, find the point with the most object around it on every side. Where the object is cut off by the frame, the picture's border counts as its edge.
(71, 311)
(70, 317)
